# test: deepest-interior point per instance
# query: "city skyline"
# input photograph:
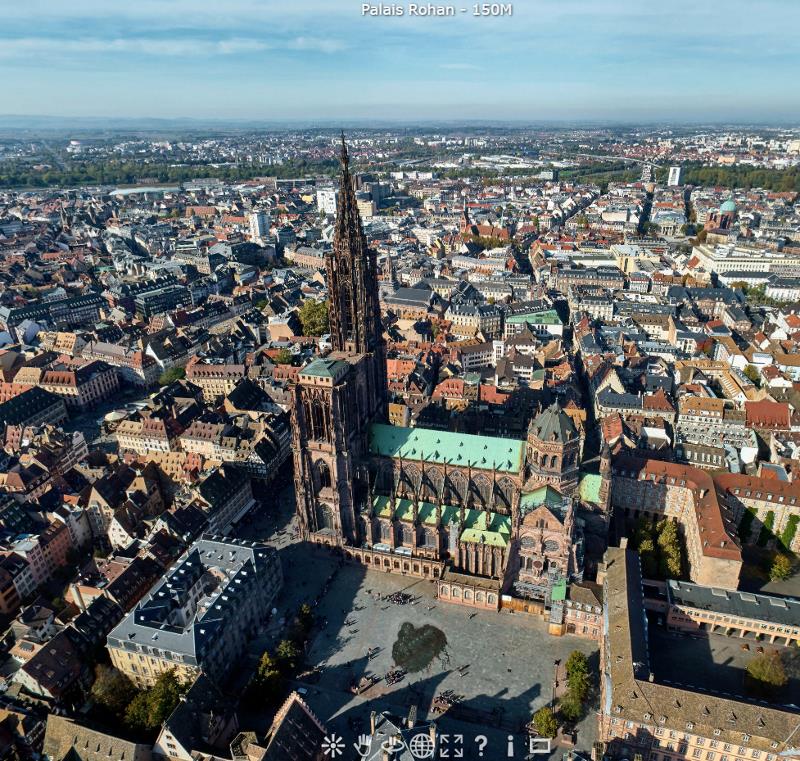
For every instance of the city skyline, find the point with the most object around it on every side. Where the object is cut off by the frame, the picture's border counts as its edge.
(572, 61)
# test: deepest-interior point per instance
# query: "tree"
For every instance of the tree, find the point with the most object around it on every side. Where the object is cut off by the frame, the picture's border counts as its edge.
(544, 722)
(789, 531)
(286, 656)
(267, 683)
(170, 375)
(765, 674)
(570, 707)
(752, 374)
(283, 357)
(647, 553)
(112, 690)
(766, 529)
(577, 665)
(669, 544)
(305, 617)
(578, 685)
(314, 317)
(781, 568)
(746, 524)
(150, 708)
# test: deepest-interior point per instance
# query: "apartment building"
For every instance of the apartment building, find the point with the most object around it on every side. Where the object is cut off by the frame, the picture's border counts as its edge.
(215, 380)
(201, 616)
(469, 319)
(81, 387)
(133, 365)
(45, 552)
(32, 408)
(148, 434)
(763, 502)
(225, 495)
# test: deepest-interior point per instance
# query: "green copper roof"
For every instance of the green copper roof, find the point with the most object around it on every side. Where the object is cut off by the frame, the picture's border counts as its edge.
(492, 538)
(483, 452)
(323, 368)
(589, 487)
(548, 317)
(558, 592)
(494, 528)
(544, 495)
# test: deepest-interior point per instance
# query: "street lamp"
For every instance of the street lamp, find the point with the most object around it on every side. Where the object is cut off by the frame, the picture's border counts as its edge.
(556, 664)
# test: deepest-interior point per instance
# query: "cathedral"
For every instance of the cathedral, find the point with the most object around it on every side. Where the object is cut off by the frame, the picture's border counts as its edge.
(482, 517)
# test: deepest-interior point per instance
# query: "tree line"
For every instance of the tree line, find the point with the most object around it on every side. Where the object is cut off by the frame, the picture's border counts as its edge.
(17, 174)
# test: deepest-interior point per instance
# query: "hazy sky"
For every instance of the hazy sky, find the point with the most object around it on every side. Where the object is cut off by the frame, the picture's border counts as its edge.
(321, 59)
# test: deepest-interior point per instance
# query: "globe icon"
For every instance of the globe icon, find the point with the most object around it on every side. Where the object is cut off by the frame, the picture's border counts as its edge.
(422, 746)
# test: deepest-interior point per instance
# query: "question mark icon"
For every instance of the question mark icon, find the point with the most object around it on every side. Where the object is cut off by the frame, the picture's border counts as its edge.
(482, 743)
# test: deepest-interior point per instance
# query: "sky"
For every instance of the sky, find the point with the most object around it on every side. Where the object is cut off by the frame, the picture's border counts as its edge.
(322, 60)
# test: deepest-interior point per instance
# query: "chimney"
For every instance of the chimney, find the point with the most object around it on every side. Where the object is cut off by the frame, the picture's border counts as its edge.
(432, 732)
(372, 717)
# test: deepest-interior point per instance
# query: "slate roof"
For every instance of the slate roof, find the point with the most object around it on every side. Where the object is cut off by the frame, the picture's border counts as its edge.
(296, 733)
(28, 404)
(553, 424)
(758, 607)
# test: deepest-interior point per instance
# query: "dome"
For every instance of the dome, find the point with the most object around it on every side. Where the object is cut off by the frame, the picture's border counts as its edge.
(728, 206)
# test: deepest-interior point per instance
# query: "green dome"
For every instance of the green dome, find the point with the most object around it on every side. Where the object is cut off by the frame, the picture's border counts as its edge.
(728, 206)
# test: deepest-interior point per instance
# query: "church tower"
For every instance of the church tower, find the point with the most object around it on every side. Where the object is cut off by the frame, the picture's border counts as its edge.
(338, 397)
(354, 311)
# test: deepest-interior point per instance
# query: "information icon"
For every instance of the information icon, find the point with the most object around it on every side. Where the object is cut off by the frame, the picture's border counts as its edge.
(422, 746)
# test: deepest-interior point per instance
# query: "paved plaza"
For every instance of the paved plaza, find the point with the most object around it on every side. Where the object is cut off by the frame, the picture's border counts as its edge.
(507, 660)
(501, 664)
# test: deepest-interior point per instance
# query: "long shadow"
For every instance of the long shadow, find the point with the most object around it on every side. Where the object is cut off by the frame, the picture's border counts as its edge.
(497, 715)
(484, 715)
(717, 664)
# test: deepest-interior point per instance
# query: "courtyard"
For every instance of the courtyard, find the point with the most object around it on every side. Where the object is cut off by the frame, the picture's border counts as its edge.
(716, 663)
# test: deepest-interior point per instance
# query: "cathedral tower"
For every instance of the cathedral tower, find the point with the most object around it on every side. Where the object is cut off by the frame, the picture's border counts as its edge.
(355, 315)
(338, 397)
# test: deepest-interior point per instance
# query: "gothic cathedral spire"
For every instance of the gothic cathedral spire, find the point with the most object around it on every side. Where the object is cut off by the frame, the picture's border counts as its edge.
(355, 319)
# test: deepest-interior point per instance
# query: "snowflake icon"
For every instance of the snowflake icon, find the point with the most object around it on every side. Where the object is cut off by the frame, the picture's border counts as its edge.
(333, 745)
